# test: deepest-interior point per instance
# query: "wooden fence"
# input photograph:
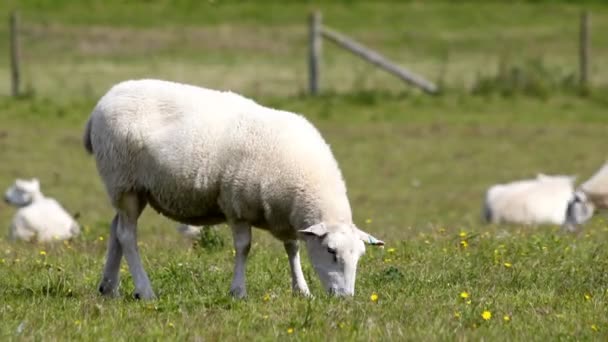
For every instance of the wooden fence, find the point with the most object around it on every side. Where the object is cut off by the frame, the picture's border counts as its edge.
(317, 31)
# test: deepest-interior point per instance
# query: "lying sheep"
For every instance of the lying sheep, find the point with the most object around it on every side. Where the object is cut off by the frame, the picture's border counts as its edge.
(189, 231)
(39, 218)
(544, 200)
(205, 157)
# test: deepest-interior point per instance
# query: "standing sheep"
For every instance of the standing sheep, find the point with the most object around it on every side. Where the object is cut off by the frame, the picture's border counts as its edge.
(39, 218)
(544, 200)
(204, 157)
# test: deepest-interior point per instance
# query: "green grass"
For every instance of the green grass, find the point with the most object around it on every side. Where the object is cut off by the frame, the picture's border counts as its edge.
(418, 177)
(416, 169)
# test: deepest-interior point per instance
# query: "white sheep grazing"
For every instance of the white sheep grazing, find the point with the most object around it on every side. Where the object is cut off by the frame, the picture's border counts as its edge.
(39, 218)
(189, 231)
(205, 157)
(544, 200)
(596, 187)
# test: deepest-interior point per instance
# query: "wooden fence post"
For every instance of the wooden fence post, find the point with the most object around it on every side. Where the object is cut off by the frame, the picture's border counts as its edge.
(14, 51)
(314, 57)
(584, 45)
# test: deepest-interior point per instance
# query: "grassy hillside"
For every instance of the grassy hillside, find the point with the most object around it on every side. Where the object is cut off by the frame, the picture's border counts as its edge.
(416, 169)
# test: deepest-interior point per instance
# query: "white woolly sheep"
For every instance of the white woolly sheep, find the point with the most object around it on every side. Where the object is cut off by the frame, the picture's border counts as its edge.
(544, 200)
(189, 231)
(205, 157)
(39, 218)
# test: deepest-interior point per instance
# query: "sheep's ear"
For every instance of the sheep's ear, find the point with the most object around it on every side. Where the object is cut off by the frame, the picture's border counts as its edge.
(319, 230)
(370, 240)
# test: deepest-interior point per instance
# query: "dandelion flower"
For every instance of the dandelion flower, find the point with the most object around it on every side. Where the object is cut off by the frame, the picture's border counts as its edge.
(456, 314)
(374, 297)
(506, 318)
(594, 327)
(171, 325)
(486, 315)
(43, 253)
(290, 331)
(587, 296)
(266, 297)
(463, 234)
(368, 221)
(468, 302)
(100, 238)
(391, 250)
(508, 264)
(464, 295)
(464, 243)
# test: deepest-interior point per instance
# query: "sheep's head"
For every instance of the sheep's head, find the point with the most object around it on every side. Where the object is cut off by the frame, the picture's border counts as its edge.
(579, 210)
(335, 251)
(23, 192)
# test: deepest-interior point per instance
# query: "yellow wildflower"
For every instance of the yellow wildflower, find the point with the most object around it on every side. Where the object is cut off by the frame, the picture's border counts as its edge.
(387, 260)
(587, 296)
(266, 297)
(486, 315)
(43, 253)
(442, 230)
(506, 318)
(468, 302)
(594, 327)
(464, 243)
(341, 325)
(464, 295)
(374, 297)
(265, 316)
(391, 250)
(171, 325)
(456, 314)
(508, 264)
(76, 322)
(368, 221)
(463, 234)
(100, 238)
(290, 331)
(233, 252)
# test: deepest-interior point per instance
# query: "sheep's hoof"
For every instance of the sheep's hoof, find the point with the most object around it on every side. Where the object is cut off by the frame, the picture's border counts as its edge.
(302, 293)
(106, 288)
(238, 292)
(144, 295)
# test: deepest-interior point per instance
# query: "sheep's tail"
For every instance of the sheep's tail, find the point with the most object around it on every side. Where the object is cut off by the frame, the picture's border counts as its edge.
(87, 137)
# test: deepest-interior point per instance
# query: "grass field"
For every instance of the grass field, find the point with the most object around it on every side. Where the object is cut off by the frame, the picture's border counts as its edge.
(416, 168)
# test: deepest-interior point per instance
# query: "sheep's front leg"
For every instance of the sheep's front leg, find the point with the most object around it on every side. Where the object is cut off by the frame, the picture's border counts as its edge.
(298, 282)
(241, 235)
(111, 277)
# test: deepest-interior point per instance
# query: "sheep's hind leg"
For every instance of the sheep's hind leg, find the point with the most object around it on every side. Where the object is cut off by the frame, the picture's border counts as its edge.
(131, 207)
(298, 282)
(111, 277)
(241, 235)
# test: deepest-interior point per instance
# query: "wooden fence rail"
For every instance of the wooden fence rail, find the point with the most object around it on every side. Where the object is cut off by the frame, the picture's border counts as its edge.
(317, 31)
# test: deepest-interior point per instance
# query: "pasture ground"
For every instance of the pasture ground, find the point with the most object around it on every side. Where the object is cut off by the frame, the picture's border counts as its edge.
(416, 168)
